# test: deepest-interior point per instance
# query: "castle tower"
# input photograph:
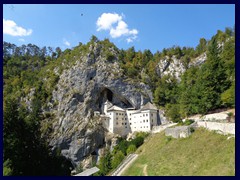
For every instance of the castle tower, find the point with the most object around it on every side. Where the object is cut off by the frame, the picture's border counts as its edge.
(107, 105)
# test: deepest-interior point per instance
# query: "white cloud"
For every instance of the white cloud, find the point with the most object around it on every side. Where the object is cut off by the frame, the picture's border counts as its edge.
(131, 39)
(107, 21)
(21, 39)
(11, 28)
(66, 42)
(120, 30)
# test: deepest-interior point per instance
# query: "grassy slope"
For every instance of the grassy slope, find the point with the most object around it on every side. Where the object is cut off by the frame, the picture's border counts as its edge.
(203, 153)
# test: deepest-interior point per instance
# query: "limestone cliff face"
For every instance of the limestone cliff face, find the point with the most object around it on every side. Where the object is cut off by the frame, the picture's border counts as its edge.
(175, 67)
(81, 90)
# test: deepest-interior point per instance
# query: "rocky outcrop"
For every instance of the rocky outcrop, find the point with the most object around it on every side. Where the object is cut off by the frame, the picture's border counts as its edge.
(81, 90)
(174, 67)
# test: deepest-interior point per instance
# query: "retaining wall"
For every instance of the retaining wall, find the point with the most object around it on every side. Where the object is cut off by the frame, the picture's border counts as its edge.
(223, 128)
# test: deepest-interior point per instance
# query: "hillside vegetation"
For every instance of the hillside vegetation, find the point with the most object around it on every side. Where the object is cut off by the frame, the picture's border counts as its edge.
(33, 77)
(203, 153)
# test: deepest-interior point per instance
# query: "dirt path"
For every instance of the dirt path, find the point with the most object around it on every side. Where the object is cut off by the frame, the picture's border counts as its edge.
(145, 170)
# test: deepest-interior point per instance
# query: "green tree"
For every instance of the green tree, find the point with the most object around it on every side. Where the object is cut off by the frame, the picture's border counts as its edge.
(131, 148)
(117, 159)
(172, 112)
(7, 171)
(202, 46)
(105, 164)
(212, 78)
(228, 96)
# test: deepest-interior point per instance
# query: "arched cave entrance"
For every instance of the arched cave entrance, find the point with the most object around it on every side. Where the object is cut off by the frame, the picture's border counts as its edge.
(115, 99)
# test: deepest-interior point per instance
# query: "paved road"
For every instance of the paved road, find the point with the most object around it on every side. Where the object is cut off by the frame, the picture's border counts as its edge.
(124, 165)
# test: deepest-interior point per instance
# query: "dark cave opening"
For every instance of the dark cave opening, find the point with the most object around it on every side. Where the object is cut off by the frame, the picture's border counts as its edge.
(115, 99)
(109, 94)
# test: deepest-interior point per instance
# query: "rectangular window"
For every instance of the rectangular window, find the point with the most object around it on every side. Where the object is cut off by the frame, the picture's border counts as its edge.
(143, 115)
(122, 118)
(130, 119)
(146, 114)
(116, 118)
(125, 123)
(151, 114)
(147, 120)
(116, 113)
(143, 120)
(125, 126)
(110, 113)
(122, 123)
(116, 123)
(152, 120)
(130, 123)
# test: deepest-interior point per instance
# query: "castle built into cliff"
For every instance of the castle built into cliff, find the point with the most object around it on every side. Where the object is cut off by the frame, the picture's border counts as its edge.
(123, 121)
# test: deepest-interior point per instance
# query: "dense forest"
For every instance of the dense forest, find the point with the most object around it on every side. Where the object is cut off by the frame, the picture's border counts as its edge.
(201, 89)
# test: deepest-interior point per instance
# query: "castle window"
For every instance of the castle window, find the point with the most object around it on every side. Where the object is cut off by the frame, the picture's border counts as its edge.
(116, 118)
(125, 123)
(130, 119)
(130, 114)
(152, 120)
(146, 114)
(116, 123)
(109, 113)
(143, 115)
(146, 120)
(122, 123)
(116, 113)
(125, 126)
(151, 114)
(130, 123)
(143, 120)
(143, 126)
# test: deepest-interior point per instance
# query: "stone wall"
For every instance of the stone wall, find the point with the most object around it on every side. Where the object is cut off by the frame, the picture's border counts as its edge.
(178, 132)
(223, 128)
(215, 117)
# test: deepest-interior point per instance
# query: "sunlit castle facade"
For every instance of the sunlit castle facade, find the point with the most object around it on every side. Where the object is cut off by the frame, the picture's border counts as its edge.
(124, 121)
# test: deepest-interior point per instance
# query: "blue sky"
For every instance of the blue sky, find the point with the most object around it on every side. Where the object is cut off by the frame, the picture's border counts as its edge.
(151, 27)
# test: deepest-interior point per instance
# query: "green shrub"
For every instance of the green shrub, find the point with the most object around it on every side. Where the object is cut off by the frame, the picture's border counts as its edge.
(117, 159)
(192, 129)
(188, 122)
(131, 149)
